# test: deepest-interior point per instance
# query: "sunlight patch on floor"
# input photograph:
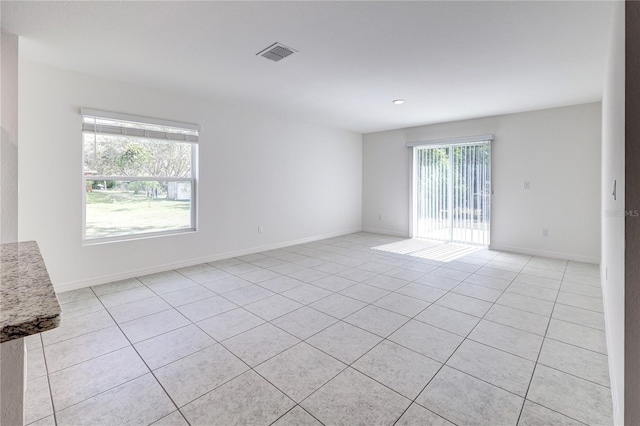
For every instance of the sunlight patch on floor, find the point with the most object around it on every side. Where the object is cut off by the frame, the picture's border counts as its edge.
(432, 250)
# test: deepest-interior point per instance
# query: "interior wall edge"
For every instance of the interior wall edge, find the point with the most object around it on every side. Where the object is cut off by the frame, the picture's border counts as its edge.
(612, 248)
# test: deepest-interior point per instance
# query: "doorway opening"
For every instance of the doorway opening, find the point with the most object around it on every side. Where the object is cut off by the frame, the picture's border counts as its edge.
(452, 192)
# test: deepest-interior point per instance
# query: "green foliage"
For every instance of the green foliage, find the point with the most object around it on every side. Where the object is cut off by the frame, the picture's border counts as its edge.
(99, 184)
(433, 172)
(124, 156)
(130, 160)
(141, 187)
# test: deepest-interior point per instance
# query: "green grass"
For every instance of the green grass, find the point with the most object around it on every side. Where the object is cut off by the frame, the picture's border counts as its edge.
(116, 213)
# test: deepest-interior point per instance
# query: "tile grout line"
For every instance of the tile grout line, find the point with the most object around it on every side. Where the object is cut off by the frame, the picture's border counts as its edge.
(99, 393)
(293, 408)
(538, 357)
(413, 401)
(250, 368)
(467, 337)
(53, 406)
(191, 323)
(533, 372)
(395, 291)
(442, 364)
(142, 359)
(220, 342)
(574, 345)
(367, 304)
(338, 319)
(305, 341)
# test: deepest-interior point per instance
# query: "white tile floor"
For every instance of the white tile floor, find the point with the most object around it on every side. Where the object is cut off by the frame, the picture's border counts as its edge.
(360, 329)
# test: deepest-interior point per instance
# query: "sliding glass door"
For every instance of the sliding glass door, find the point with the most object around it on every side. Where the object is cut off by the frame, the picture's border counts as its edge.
(452, 199)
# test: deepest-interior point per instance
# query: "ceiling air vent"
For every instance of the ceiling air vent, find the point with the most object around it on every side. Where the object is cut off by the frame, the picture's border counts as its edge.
(276, 52)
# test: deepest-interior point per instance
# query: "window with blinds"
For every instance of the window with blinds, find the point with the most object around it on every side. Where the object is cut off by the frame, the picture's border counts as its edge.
(452, 190)
(139, 176)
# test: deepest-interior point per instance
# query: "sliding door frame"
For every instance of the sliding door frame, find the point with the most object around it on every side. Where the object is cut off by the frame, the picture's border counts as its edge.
(413, 186)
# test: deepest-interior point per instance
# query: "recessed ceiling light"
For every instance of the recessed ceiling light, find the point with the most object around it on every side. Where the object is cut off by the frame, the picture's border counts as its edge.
(398, 101)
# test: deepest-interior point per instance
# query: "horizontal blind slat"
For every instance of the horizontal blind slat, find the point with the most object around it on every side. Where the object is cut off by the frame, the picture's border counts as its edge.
(115, 116)
(103, 129)
(471, 140)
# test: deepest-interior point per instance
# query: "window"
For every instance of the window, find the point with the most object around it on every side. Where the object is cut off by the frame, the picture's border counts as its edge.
(139, 176)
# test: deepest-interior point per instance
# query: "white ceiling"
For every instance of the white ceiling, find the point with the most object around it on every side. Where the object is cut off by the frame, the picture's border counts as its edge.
(449, 60)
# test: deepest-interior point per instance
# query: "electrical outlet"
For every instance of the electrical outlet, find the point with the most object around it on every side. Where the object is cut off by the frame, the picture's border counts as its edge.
(526, 185)
(380, 217)
(260, 229)
(545, 232)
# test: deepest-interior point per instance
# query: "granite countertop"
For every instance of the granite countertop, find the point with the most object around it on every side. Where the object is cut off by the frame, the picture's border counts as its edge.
(28, 302)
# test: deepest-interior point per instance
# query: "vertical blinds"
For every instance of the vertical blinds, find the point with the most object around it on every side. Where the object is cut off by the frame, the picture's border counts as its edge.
(453, 192)
(432, 193)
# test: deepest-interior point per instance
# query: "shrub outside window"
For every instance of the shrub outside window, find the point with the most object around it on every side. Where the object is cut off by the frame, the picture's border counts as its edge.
(139, 176)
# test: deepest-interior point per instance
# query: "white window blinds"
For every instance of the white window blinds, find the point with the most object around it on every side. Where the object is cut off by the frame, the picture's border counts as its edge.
(452, 200)
(453, 141)
(110, 123)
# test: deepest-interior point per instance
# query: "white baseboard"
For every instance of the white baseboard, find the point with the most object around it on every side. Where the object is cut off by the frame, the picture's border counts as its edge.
(555, 255)
(74, 285)
(385, 232)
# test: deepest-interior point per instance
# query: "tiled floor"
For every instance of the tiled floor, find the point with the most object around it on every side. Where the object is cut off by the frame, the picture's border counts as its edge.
(361, 329)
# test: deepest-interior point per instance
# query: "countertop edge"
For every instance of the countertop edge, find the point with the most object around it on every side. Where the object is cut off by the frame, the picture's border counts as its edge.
(28, 302)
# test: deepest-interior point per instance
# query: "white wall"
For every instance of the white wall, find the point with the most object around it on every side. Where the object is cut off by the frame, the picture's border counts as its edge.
(556, 150)
(613, 159)
(12, 354)
(9, 140)
(299, 181)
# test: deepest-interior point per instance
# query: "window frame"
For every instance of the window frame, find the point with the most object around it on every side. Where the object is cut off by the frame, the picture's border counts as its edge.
(193, 179)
